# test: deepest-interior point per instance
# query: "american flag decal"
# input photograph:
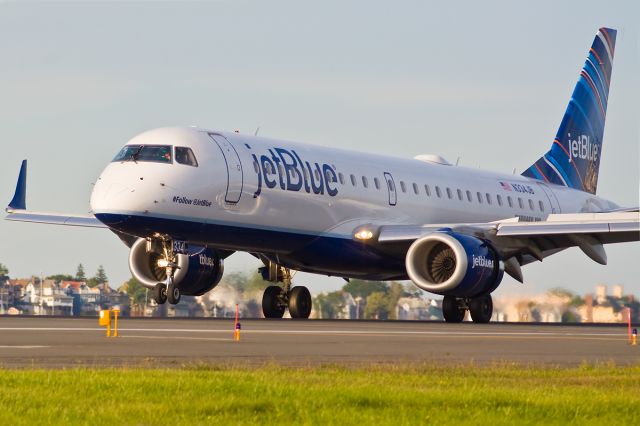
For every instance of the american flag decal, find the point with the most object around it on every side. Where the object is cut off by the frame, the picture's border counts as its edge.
(505, 186)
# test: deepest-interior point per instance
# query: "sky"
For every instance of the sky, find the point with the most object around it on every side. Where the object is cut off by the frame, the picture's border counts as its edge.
(484, 81)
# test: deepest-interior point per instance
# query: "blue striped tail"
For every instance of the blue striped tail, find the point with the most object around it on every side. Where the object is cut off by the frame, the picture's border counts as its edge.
(574, 157)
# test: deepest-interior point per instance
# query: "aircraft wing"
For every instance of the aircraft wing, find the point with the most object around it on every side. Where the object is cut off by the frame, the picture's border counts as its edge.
(54, 218)
(519, 242)
(17, 209)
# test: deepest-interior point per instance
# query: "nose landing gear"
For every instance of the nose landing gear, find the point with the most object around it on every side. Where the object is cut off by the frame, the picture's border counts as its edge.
(276, 299)
(167, 291)
(160, 293)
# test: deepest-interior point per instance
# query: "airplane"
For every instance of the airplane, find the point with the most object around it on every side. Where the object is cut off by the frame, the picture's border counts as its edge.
(183, 199)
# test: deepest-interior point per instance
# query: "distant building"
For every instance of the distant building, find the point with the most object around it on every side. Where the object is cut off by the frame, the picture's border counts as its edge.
(605, 308)
(417, 308)
(47, 297)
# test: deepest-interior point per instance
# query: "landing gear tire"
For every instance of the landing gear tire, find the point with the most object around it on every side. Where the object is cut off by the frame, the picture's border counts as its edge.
(160, 293)
(300, 302)
(452, 311)
(481, 309)
(173, 294)
(271, 302)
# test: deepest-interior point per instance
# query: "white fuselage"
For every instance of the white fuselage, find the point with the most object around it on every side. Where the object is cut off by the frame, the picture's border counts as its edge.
(259, 189)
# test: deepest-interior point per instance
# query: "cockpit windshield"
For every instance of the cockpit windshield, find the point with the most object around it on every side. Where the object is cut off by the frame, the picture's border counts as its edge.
(153, 153)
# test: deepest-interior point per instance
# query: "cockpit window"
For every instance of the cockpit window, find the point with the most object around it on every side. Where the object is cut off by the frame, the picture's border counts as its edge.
(184, 155)
(153, 153)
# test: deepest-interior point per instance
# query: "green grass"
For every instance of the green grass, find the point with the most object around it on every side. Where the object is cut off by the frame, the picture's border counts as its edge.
(501, 394)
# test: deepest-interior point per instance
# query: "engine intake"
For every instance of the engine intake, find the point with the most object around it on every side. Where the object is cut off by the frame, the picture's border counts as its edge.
(453, 264)
(199, 271)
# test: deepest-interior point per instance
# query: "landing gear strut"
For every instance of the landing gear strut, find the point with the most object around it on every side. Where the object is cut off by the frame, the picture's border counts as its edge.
(276, 299)
(480, 308)
(167, 291)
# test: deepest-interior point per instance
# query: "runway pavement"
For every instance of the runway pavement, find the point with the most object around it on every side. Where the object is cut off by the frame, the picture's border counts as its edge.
(68, 342)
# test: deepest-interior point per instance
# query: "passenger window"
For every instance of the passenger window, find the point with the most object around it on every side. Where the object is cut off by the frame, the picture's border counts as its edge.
(255, 166)
(403, 186)
(306, 174)
(520, 203)
(499, 198)
(459, 194)
(479, 197)
(340, 176)
(376, 182)
(449, 193)
(541, 204)
(281, 171)
(530, 204)
(329, 176)
(488, 198)
(468, 195)
(391, 186)
(427, 190)
(353, 180)
(365, 182)
(184, 155)
(510, 201)
(415, 188)
(438, 193)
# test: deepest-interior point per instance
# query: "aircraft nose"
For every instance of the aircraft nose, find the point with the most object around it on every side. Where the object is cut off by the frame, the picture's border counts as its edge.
(108, 194)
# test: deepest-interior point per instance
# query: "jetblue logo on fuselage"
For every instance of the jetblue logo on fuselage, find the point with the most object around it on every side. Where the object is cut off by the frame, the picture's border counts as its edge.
(284, 168)
(481, 261)
(582, 148)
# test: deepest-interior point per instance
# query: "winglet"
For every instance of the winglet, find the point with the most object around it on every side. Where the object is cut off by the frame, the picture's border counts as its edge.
(19, 198)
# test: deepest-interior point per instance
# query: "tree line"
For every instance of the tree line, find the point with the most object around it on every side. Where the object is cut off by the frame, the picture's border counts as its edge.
(99, 278)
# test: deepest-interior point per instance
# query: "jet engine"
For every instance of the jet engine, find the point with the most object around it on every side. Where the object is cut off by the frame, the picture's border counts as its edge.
(199, 271)
(453, 264)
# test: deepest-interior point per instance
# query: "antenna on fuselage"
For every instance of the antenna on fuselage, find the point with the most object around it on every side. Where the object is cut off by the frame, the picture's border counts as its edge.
(256, 132)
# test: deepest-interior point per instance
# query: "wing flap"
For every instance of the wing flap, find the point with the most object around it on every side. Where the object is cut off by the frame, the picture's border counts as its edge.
(605, 227)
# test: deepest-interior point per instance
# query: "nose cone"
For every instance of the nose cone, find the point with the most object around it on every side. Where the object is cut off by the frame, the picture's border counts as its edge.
(113, 192)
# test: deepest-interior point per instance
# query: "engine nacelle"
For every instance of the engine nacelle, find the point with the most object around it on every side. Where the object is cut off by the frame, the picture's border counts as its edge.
(453, 264)
(199, 272)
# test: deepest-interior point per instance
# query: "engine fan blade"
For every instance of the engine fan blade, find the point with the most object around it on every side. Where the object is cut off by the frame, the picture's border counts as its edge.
(442, 263)
(159, 273)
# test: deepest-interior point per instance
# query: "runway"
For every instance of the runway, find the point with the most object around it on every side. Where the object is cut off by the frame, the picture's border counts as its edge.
(71, 342)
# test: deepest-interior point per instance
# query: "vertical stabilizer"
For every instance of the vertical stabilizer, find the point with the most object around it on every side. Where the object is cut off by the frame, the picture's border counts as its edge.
(574, 157)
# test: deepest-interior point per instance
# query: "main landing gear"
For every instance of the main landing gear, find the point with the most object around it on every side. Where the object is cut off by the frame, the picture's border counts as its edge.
(276, 299)
(480, 308)
(166, 291)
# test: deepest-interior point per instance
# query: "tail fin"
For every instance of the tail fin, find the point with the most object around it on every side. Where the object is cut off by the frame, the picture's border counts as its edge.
(574, 157)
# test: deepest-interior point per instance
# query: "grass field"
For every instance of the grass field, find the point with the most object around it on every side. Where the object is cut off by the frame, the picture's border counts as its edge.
(504, 394)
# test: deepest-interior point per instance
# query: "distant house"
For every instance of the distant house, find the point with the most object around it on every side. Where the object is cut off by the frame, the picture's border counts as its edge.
(119, 299)
(86, 300)
(188, 307)
(417, 308)
(54, 300)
